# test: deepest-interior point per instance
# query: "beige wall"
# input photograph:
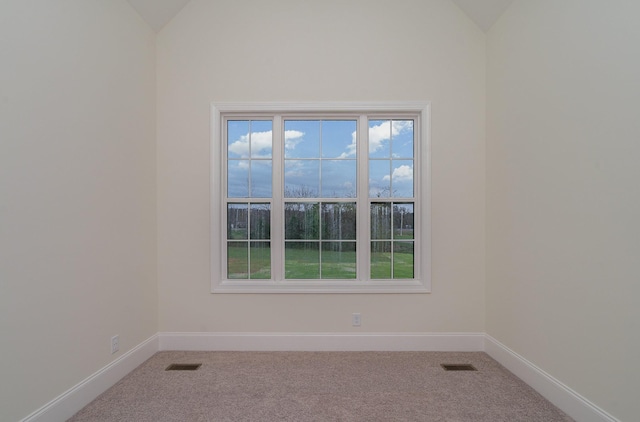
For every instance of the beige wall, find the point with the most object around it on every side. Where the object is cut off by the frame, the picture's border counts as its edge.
(77, 193)
(321, 51)
(563, 197)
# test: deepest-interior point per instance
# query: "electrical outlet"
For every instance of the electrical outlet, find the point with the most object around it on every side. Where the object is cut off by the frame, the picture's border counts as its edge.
(355, 319)
(115, 344)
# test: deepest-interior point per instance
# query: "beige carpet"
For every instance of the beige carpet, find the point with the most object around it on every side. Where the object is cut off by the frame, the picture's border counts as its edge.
(320, 386)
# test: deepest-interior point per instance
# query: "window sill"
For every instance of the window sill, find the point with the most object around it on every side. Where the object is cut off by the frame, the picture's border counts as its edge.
(324, 286)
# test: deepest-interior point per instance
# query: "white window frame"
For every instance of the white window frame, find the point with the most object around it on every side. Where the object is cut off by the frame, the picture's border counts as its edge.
(422, 185)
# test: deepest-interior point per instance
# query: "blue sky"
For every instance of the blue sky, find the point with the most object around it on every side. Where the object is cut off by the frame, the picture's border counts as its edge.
(320, 157)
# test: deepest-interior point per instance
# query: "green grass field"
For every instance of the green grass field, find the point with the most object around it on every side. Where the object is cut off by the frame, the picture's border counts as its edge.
(238, 258)
(304, 264)
(381, 265)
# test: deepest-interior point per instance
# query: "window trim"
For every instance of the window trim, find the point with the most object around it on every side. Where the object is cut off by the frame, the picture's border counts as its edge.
(423, 197)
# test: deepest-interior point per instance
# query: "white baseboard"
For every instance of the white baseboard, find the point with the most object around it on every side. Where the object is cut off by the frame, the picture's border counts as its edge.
(459, 342)
(566, 399)
(67, 404)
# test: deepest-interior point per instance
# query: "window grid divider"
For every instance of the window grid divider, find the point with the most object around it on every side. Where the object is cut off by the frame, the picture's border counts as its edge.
(363, 233)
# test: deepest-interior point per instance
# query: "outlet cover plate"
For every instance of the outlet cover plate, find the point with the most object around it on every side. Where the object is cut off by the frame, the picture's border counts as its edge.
(115, 344)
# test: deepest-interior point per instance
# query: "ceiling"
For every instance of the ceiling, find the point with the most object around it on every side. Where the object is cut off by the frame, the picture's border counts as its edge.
(157, 13)
(483, 12)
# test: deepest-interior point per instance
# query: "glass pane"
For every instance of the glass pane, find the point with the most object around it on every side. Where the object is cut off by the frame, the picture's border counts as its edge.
(238, 179)
(379, 179)
(402, 179)
(261, 178)
(261, 138)
(339, 260)
(237, 139)
(402, 259)
(379, 139)
(402, 141)
(302, 138)
(338, 179)
(260, 222)
(237, 260)
(237, 218)
(339, 139)
(380, 260)
(339, 221)
(301, 220)
(301, 260)
(301, 178)
(260, 253)
(403, 221)
(380, 221)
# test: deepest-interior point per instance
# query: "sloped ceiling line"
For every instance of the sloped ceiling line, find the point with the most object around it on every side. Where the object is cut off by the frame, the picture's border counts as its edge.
(157, 13)
(483, 12)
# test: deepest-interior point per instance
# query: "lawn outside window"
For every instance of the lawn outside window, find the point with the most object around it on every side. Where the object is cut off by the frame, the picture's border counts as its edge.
(320, 198)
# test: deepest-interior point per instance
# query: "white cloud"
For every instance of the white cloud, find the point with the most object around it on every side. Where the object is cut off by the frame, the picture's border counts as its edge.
(262, 141)
(384, 131)
(378, 135)
(403, 173)
(294, 168)
(260, 144)
(292, 138)
(351, 148)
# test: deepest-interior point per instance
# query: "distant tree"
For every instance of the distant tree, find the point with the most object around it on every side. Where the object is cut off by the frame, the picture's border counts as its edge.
(300, 191)
(260, 218)
(381, 226)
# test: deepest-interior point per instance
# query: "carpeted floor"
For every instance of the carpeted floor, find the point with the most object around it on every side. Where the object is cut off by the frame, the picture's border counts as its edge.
(320, 386)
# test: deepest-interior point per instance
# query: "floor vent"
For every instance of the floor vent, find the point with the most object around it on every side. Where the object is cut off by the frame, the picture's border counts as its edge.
(183, 366)
(458, 367)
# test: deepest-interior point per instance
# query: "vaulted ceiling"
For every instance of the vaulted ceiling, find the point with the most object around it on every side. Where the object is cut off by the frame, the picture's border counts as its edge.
(157, 13)
(483, 12)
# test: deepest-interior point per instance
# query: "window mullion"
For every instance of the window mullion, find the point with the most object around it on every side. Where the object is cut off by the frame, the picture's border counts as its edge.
(277, 203)
(219, 215)
(418, 197)
(363, 250)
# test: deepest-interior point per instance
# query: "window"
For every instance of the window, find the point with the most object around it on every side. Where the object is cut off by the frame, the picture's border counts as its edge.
(320, 198)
